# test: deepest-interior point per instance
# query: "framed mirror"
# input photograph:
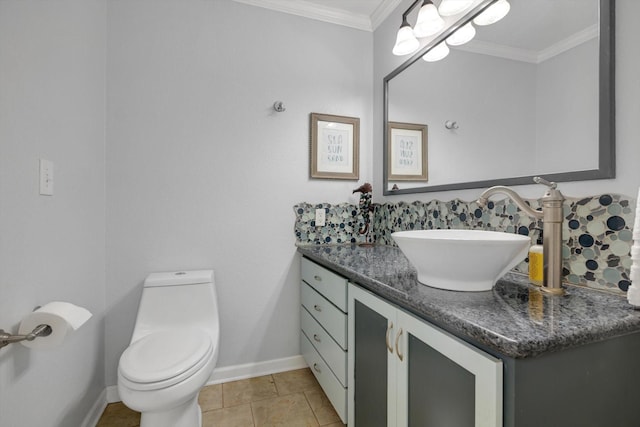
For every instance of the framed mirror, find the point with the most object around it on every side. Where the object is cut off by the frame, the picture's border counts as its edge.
(531, 95)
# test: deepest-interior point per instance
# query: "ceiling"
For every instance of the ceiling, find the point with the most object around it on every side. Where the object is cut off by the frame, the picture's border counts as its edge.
(361, 14)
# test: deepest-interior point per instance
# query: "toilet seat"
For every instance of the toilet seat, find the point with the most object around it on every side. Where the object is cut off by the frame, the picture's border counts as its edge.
(164, 358)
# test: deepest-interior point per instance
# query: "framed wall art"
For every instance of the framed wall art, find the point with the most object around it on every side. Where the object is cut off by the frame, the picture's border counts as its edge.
(407, 152)
(335, 142)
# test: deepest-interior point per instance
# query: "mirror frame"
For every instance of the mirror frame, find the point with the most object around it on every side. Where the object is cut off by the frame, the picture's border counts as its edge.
(606, 126)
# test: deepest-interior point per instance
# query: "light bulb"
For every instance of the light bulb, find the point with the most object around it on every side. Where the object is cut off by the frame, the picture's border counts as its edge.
(429, 21)
(437, 53)
(453, 7)
(493, 13)
(406, 42)
(462, 35)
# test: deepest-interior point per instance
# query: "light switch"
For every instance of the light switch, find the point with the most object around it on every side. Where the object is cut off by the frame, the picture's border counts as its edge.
(320, 217)
(46, 177)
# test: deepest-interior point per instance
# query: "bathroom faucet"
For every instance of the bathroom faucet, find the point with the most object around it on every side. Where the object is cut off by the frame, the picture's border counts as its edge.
(552, 217)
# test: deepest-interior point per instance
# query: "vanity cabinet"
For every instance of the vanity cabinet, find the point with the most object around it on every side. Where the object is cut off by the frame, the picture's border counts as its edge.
(406, 372)
(323, 338)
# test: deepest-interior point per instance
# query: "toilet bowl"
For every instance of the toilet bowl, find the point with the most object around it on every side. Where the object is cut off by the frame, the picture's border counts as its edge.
(173, 349)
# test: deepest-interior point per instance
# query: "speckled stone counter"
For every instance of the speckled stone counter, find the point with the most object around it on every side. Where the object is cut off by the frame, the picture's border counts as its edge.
(514, 319)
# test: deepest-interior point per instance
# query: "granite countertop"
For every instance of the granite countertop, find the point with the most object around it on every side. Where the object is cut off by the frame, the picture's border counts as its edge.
(514, 319)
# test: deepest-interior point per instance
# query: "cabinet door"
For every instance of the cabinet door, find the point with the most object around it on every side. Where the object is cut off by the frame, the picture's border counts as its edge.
(443, 381)
(371, 361)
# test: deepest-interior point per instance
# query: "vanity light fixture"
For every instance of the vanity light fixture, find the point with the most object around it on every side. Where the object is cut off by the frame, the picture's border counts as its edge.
(429, 21)
(406, 42)
(437, 53)
(493, 13)
(462, 35)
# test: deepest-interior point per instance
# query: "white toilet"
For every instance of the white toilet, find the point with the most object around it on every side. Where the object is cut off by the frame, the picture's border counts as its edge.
(173, 350)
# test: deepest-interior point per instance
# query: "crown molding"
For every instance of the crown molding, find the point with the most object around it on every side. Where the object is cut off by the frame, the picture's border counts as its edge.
(570, 42)
(533, 57)
(314, 11)
(384, 9)
(501, 51)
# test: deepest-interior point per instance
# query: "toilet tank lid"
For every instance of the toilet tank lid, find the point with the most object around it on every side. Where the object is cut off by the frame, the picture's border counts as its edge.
(172, 278)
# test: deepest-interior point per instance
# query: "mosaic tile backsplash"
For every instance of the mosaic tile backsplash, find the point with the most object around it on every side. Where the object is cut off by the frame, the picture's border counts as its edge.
(597, 234)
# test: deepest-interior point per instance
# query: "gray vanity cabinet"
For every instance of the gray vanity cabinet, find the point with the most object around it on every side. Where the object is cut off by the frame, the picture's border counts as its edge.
(406, 372)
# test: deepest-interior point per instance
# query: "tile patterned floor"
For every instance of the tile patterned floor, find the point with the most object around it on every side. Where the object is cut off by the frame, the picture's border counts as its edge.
(287, 399)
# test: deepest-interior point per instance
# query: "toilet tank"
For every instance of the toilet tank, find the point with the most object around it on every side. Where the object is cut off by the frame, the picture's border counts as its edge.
(178, 299)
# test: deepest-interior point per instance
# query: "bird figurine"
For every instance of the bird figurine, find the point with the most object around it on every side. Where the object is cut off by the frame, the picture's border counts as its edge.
(365, 205)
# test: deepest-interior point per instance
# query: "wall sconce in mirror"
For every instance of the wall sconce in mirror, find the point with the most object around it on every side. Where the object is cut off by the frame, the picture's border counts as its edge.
(429, 22)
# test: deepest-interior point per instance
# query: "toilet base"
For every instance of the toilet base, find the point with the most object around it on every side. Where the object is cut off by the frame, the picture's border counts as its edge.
(188, 414)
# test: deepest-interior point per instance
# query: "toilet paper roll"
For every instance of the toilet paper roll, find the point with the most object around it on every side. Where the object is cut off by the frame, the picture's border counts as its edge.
(61, 316)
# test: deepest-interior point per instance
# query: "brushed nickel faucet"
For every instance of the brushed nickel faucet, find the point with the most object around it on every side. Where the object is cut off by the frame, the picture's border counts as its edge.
(552, 217)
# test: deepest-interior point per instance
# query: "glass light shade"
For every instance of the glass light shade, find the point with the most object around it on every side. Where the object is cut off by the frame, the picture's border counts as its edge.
(429, 21)
(406, 42)
(462, 35)
(453, 7)
(438, 52)
(493, 13)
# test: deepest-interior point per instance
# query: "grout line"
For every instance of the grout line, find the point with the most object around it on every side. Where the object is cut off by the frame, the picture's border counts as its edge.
(304, 393)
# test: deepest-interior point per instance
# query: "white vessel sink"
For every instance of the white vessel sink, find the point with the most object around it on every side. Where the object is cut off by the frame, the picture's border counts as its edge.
(462, 260)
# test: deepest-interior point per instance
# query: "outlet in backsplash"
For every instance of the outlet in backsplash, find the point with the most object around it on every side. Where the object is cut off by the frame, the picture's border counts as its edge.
(597, 233)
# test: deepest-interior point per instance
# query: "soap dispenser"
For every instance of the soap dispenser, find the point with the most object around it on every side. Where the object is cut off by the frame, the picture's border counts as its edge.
(536, 262)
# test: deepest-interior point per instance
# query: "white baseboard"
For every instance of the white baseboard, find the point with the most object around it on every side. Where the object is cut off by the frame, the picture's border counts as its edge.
(96, 410)
(233, 373)
(250, 370)
(112, 394)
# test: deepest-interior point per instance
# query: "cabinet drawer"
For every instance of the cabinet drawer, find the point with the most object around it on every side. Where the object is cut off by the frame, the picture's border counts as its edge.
(330, 351)
(335, 392)
(332, 320)
(329, 284)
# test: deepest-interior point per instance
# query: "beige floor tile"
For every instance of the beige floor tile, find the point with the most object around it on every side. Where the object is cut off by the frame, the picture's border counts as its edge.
(118, 415)
(292, 410)
(334, 425)
(235, 416)
(249, 390)
(210, 397)
(295, 381)
(321, 407)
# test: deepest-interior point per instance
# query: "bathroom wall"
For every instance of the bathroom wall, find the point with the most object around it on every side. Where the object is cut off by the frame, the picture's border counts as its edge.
(52, 63)
(627, 180)
(202, 172)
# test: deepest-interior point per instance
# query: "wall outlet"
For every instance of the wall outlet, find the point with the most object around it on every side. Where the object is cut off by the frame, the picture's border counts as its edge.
(320, 218)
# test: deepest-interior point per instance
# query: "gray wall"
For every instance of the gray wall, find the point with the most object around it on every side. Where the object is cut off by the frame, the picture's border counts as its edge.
(52, 65)
(202, 173)
(628, 109)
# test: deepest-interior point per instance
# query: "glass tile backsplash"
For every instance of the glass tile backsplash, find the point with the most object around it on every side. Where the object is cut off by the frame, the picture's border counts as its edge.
(597, 233)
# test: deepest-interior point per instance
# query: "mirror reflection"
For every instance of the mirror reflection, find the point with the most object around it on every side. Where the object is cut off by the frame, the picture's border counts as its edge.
(520, 99)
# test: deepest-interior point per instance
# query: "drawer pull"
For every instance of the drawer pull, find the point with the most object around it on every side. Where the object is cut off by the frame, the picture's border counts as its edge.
(400, 355)
(317, 307)
(316, 338)
(389, 346)
(318, 278)
(315, 368)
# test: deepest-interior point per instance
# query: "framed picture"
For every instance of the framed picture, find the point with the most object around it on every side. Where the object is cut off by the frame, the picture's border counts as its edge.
(407, 152)
(335, 144)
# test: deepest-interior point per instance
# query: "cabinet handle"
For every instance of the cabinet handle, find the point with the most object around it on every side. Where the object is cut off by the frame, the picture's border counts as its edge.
(400, 355)
(315, 367)
(318, 278)
(389, 346)
(317, 307)
(316, 338)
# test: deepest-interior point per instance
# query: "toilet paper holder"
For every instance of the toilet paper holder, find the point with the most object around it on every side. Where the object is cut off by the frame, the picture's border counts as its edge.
(39, 331)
